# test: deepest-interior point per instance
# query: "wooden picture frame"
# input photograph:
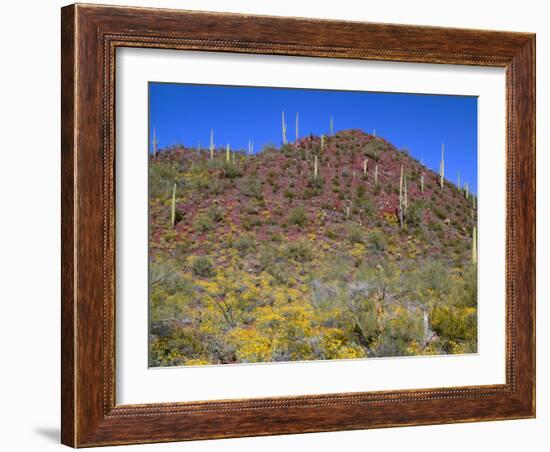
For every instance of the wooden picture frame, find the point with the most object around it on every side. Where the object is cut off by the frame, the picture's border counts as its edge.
(90, 36)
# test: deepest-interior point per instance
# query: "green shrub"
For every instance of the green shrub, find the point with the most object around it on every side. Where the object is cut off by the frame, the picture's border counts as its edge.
(252, 187)
(415, 215)
(377, 241)
(298, 217)
(231, 171)
(202, 267)
(300, 251)
(355, 233)
(244, 244)
(203, 223)
(288, 194)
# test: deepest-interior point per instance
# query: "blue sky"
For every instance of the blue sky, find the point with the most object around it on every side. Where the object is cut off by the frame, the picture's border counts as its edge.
(185, 113)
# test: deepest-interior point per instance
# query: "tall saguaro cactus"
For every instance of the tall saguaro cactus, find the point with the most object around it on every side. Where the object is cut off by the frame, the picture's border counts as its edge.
(365, 163)
(442, 165)
(315, 167)
(466, 189)
(331, 126)
(322, 142)
(474, 245)
(250, 147)
(155, 142)
(297, 130)
(211, 143)
(422, 183)
(173, 210)
(458, 181)
(227, 153)
(376, 174)
(400, 209)
(283, 123)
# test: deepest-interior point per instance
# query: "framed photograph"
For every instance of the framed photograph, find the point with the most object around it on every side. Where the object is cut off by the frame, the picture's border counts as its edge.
(282, 225)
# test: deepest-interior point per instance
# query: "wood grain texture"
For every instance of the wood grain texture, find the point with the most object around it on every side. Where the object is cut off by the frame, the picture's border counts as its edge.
(90, 36)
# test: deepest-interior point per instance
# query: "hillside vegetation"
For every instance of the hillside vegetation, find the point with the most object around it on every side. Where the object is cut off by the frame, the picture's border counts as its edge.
(328, 248)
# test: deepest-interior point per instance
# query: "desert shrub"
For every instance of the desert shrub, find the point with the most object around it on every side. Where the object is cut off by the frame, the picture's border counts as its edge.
(298, 217)
(402, 330)
(252, 187)
(332, 234)
(203, 223)
(287, 150)
(377, 241)
(216, 187)
(454, 323)
(274, 263)
(202, 267)
(215, 214)
(372, 150)
(300, 251)
(288, 194)
(183, 247)
(250, 221)
(438, 213)
(365, 205)
(161, 178)
(316, 182)
(231, 171)
(415, 214)
(244, 244)
(360, 191)
(355, 233)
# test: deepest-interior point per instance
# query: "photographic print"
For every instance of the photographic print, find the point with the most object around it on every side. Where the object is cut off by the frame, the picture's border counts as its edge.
(301, 224)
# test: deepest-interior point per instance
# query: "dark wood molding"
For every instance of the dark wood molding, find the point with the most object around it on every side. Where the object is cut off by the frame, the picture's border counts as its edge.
(90, 35)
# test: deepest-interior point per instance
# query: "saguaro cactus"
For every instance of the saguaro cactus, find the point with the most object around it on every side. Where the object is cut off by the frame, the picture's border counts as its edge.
(297, 134)
(227, 153)
(211, 143)
(331, 126)
(365, 162)
(458, 180)
(155, 142)
(315, 167)
(466, 189)
(283, 123)
(474, 245)
(376, 175)
(173, 210)
(442, 165)
(373, 132)
(322, 142)
(400, 209)
(422, 183)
